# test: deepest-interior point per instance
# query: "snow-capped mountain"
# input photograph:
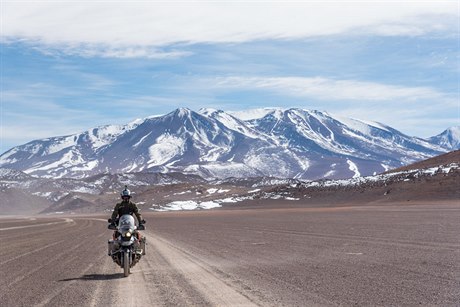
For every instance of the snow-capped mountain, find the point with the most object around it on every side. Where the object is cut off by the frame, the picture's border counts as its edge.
(449, 139)
(288, 143)
(24, 194)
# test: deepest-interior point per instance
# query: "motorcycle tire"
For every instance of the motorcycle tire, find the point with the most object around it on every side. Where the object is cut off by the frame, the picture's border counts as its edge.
(126, 264)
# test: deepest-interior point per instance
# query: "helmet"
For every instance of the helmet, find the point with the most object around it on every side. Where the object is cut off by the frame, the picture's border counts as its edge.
(125, 193)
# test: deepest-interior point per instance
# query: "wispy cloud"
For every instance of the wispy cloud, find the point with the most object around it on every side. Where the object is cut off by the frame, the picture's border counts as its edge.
(328, 89)
(42, 119)
(138, 29)
(105, 51)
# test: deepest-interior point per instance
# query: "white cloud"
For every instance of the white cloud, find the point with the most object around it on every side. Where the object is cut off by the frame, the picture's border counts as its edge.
(108, 51)
(119, 29)
(329, 89)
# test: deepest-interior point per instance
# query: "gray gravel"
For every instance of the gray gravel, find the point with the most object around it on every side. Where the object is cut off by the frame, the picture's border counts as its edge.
(384, 255)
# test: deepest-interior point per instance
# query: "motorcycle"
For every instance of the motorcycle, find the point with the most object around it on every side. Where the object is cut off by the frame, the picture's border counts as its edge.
(127, 247)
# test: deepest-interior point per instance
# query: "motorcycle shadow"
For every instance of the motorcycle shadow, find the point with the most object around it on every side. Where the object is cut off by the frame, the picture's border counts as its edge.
(96, 277)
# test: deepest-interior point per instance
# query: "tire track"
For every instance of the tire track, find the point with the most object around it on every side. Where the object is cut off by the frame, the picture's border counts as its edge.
(168, 287)
(215, 290)
(104, 291)
(360, 239)
(32, 252)
(66, 220)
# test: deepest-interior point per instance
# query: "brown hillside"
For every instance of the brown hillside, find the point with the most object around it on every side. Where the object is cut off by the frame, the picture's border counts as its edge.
(444, 159)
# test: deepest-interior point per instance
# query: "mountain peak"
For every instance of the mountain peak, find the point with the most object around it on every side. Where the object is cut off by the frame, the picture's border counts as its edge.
(449, 138)
(454, 131)
(209, 111)
(182, 112)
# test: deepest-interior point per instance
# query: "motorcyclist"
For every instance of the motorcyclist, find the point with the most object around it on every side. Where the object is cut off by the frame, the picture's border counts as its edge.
(125, 207)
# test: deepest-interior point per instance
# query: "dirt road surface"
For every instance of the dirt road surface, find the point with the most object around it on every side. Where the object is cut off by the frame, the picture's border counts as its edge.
(367, 255)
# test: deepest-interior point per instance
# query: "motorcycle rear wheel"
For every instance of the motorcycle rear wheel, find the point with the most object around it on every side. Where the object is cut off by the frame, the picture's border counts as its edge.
(126, 270)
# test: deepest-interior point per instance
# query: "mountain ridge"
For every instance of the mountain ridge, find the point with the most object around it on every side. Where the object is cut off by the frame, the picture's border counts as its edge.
(285, 143)
(432, 179)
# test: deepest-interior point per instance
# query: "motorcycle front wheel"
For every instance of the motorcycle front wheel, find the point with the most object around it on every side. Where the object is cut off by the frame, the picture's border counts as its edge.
(126, 264)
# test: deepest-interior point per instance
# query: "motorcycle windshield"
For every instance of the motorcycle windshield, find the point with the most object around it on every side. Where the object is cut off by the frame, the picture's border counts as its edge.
(126, 222)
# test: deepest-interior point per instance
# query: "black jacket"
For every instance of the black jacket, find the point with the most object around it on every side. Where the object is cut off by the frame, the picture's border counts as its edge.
(126, 207)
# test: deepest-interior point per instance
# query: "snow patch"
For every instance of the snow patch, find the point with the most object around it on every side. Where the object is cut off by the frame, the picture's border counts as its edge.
(86, 167)
(360, 125)
(42, 194)
(253, 113)
(85, 190)
(188, 205)
(61, 144)
(402, 176)
(182, 193)
(142, 139)
(166, 148)
(213, 190)
(104, 135)
(67, 160)
(354, 168)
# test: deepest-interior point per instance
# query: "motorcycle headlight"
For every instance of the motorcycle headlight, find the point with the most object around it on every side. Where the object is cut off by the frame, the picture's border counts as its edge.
(127, 234)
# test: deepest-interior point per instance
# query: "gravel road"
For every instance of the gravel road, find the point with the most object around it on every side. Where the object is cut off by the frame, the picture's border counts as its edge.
(368, 255)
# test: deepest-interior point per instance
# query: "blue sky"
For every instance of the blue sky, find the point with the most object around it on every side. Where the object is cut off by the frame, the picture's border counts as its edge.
(67, 67)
